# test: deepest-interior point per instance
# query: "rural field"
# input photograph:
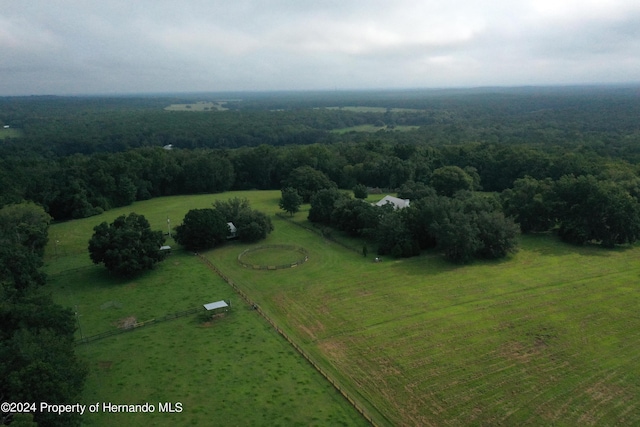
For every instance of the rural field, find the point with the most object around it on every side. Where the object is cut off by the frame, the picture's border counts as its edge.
(548, 336)
(228, 371)
(10, 133)
(374, 128)
(198, 106)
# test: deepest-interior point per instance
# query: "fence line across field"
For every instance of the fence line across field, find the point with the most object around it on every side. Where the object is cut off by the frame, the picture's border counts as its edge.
(170, 316)
(322, 372)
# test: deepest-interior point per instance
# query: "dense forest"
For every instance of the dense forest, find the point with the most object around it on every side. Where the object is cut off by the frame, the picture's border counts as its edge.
(79, 156)
(479, 166)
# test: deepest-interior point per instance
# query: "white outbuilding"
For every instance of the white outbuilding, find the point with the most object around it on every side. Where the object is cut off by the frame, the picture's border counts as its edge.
(217, 305)
(394, 201)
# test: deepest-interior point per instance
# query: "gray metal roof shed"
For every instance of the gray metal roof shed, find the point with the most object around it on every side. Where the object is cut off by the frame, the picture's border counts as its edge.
(215, 305)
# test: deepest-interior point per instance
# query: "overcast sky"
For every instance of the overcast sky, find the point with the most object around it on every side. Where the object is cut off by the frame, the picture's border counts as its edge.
(132, 46)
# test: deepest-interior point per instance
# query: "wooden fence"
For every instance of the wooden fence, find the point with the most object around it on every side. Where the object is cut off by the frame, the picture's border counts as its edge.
(303, 258)
(304, 354)
(170, 316)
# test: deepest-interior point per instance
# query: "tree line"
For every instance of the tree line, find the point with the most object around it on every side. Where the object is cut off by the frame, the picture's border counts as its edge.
(481, 141)
(447, 214)
(463, 226)
(83, 185)
(37, 335)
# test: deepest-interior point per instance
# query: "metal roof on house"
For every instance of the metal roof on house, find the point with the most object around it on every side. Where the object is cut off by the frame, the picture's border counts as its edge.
(396, 202)
(214, 305)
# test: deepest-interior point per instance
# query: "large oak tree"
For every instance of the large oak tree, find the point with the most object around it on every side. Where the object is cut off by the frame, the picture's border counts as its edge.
(126, 246)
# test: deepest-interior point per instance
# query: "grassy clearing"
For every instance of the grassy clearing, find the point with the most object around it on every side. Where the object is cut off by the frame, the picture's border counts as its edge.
(546, 337)
(373, 128)
(10, 133)
(198, 106)
(363, 109)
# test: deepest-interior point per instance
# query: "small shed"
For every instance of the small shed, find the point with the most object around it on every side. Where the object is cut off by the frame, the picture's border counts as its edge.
(165, 248)
(217, 306)
(232, 231)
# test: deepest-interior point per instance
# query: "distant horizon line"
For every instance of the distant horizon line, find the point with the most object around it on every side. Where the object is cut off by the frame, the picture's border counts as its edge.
(482, 88)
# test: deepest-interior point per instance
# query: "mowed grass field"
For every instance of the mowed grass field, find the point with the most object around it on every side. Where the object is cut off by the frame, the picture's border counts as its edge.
(549, 336)
(232, 370)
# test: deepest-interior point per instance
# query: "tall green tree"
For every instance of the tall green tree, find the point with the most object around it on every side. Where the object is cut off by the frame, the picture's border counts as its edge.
(126, 246)
(498, 235)
(598, 211)
(530, 202)
(323, 203)
(355, 216)
(37, 357)
(25, 224)
(394, 237)
(307, 181)
(447, 180)
(202, 229)
(251, 225)
(457, 236)
(290, 201)
(360, 191)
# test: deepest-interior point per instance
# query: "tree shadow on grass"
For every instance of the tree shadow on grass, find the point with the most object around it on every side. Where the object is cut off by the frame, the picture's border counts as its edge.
(551, 245)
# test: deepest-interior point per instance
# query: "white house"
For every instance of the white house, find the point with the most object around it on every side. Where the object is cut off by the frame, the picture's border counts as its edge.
(396, 202)
(232, 230)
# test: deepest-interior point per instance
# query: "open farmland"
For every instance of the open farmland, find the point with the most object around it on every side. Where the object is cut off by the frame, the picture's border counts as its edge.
(231, 370)
(546, 337)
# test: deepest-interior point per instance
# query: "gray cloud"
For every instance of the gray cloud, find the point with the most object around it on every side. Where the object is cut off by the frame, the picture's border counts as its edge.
(75, 46)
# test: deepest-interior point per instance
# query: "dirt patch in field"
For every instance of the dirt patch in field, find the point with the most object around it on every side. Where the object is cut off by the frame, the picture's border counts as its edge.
(333, 349)
(602, 393)
(519, 352)
(126, 322)
(312, 330)
(105, 365)
(210, 323)
(363, 292)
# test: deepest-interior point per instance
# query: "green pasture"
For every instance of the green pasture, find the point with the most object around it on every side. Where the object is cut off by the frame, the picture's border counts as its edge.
(10, 133)
(548, 336)
(272, 256)
(365, 109)
(373, 128)
(198, 106)
(230, 370)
